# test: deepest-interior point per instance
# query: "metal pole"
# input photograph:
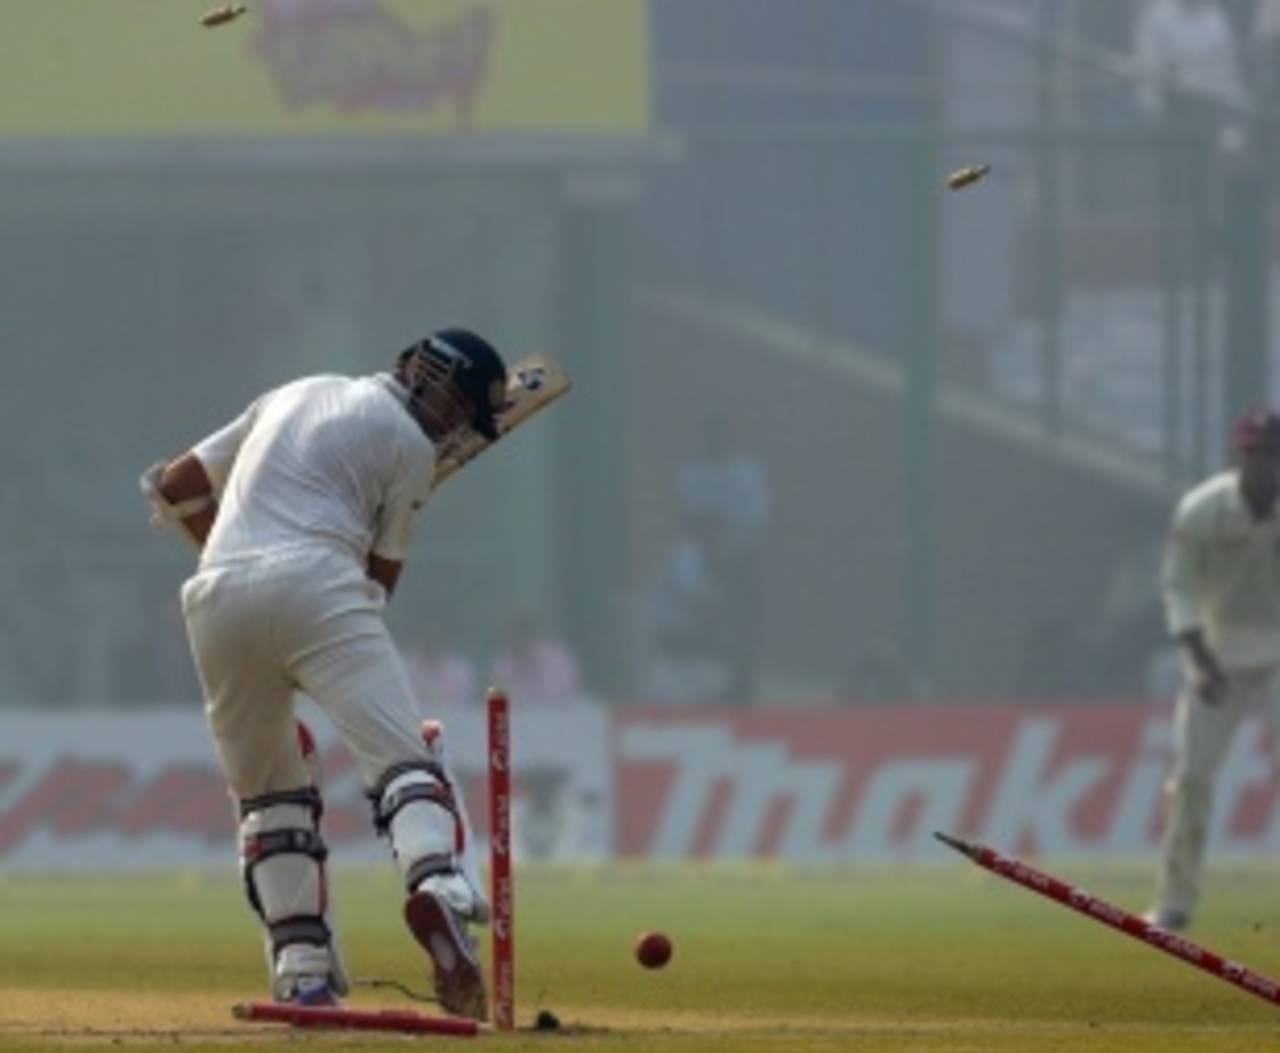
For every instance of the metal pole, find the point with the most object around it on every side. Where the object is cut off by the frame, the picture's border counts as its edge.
(1246, 339)
(921, 343)
(1201, 247)
(1171, 157)
(1048, 177)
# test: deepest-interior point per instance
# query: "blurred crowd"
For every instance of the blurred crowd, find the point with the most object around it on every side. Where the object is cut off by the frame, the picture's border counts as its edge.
(700, 617)
(1209, 67)
(534, 664)
(1197, 55)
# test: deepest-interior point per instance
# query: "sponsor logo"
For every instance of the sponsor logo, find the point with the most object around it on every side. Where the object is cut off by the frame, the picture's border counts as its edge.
(788, 784)
(74, 800)
(361, 55)
(874, 785)
(73, 797)
(94, 792)
(532, 377)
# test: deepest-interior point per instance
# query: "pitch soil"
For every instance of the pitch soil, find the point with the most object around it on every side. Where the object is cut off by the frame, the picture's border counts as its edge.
(45, 1019)
(937, 961)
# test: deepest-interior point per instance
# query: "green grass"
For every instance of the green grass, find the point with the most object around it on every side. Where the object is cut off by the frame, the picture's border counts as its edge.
(945, 959)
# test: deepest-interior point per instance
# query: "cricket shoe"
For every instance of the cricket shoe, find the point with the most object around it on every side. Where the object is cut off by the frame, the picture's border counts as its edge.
(442, 933)
(312, 991)
(1167, 919)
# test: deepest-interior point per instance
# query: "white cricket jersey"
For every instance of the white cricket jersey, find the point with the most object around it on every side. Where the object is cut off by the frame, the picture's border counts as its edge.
(1222, 573)
(327, 461)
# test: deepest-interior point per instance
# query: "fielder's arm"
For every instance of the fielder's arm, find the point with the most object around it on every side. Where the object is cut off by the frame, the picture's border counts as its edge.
(534, 383)
(181, 496)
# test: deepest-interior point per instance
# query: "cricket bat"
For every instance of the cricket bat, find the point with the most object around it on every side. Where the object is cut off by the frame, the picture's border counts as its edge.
(533, 384)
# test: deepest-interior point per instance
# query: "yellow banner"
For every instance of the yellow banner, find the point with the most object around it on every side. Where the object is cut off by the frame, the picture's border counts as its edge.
(323, 67)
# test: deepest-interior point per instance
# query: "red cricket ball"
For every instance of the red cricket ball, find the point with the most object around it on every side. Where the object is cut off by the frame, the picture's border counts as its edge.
(653, 949)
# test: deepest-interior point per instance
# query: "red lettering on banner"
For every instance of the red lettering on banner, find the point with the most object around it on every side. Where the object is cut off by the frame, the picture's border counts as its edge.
(870, 784)
(335, 762)
(904, 801)
(345, 822)
(1035, 809)
(774, 827)
(643, 787)
(906, 816)
(1136, 818)
(1247, 784)
(73, 797)
(344, 819)
(874, 784)
(715, 807)
(725, 791)
(185, 799)
(126, 799)
(79, 798)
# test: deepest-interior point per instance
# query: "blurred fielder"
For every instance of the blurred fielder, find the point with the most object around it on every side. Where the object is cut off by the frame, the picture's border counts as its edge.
(1221, 584)
(304, 507)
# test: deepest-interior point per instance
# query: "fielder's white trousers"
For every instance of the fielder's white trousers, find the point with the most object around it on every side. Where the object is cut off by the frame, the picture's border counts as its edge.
(1203, 733)
(311, 620)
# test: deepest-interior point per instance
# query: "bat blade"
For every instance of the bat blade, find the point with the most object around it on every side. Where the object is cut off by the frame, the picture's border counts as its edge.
(533, 384)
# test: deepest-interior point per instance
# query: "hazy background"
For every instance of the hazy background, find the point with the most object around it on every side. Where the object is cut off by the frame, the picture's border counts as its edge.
(960, 419)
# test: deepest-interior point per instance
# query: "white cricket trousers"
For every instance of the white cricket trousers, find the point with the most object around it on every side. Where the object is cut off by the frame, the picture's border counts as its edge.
(1203, 733)
(310, 620)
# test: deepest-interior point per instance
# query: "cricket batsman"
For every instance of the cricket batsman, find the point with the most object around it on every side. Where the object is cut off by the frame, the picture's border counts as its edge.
(303, 508)
(1221, 583)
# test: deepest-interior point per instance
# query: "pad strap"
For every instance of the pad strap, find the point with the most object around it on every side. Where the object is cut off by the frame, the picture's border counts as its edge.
(261, 845)
(305, 797)
(305, 928)
(386, 805)
(429, 866)
(258, 848)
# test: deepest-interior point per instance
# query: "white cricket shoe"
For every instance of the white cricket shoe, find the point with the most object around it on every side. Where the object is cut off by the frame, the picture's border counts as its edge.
(312, 991)
(1167, 919)
(304, 976)
(442, 933)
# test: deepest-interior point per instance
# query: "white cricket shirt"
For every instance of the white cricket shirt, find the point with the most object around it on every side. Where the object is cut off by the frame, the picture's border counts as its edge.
(1222, 573)
(324, 461)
